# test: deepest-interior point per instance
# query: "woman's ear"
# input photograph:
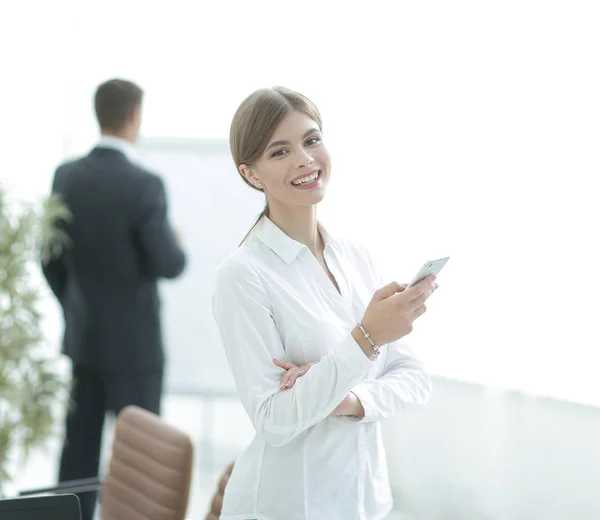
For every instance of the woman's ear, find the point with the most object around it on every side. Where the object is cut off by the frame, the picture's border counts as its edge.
(250, 176)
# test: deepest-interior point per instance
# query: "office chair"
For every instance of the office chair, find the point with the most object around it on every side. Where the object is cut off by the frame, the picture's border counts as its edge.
(150, 471)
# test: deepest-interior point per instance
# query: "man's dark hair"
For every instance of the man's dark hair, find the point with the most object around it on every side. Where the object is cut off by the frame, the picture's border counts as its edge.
(114, 102)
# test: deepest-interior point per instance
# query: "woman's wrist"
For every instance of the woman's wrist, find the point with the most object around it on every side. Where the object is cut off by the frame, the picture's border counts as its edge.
(350, 407)
(358, 409)
(363, 342)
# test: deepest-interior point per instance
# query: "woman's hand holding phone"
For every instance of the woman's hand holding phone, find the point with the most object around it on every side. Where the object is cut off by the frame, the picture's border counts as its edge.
(392, 311)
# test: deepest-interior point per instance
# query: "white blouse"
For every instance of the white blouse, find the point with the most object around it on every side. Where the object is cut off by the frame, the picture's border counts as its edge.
(273, 300)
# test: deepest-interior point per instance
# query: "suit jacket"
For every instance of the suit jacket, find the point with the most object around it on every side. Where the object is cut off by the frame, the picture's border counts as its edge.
(106, 280)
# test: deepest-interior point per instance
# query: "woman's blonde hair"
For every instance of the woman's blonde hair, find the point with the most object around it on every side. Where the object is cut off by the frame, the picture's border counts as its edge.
(255, 122)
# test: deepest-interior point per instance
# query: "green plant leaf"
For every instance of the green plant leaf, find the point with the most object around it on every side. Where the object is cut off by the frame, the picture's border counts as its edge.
(31, 387)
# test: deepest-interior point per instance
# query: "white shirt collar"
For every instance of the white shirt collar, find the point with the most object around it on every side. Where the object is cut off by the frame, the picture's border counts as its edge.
(281, 244)
(119, 144)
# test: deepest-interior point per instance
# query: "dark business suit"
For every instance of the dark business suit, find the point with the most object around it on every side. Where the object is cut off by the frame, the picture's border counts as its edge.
(106, 282)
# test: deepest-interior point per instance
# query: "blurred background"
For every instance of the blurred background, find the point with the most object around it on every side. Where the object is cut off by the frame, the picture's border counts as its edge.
(467, 129)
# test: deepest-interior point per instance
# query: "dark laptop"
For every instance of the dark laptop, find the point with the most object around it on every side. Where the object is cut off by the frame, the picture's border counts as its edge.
(53, 507)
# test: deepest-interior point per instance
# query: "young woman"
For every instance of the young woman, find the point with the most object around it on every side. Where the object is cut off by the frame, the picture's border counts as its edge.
(310, 334)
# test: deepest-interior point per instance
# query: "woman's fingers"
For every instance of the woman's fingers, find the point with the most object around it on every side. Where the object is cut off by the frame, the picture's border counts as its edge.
(420, 311)
(304, 368)
(286, 365)
(417, 303)
(419, 290)
(289, 378)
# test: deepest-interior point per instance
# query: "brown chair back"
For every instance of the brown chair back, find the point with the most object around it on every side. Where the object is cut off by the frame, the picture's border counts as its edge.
(150, 470)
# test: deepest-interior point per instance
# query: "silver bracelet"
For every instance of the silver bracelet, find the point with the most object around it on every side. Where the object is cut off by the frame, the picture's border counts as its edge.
(368, 337)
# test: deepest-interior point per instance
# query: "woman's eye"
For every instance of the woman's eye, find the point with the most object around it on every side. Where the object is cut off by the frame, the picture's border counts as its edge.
(279, 153)
(313, 140)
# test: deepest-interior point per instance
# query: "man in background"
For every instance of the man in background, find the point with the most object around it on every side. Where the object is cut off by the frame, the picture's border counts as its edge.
(106, 280)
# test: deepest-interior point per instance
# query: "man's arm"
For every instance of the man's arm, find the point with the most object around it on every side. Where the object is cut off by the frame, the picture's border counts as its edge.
(155, 237)
(54, 269)
(56, 275)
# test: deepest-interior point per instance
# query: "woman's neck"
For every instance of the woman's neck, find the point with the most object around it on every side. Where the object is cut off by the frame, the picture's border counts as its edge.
(300, 224)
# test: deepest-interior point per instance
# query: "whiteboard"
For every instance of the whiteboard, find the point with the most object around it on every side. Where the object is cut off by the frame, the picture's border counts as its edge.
(212, 208)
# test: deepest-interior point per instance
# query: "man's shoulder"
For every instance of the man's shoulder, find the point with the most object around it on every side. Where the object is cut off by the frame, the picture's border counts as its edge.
(145, 175)
(98, 157)
(66, 169)
(134, 179)
(69, 165)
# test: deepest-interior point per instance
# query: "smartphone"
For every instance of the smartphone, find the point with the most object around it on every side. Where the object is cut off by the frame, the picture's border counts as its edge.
(431, 267)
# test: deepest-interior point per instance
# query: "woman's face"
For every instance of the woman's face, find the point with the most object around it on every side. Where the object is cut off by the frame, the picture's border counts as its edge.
(294, 168)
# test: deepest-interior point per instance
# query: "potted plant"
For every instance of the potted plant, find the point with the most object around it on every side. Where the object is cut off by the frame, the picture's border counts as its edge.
(31, 387)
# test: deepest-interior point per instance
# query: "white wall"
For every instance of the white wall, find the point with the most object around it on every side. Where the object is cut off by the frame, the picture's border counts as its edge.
(35, 75)
(475, 454)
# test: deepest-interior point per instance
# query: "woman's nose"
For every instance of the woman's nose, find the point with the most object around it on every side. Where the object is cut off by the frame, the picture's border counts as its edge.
(302, 159)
